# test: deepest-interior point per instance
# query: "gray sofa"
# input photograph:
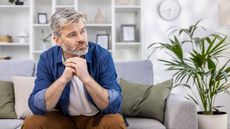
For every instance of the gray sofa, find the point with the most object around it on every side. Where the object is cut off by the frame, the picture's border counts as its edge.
(179, 113)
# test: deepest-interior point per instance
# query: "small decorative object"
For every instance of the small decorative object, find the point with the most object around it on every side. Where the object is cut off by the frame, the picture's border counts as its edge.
(5, 57)
(46, 40)
(6, 38)
(17, 2)
(42, 18)
(99, 18)
(128, 32)
(22, 36)
(11, 1)
(169, 10)
(103, 40)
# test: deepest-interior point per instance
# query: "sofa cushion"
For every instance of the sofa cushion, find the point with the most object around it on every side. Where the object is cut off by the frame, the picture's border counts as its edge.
(23, 87)
(144, 101)
(10, 123)
(7, 100)
(12, 68)
(144, 123)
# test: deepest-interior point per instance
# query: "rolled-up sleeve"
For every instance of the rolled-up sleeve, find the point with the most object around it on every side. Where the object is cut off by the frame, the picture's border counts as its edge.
(39, 100)
(108, 80)
(43, 81)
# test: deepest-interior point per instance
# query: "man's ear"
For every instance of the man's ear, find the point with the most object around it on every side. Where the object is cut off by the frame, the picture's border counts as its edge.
(57, 40)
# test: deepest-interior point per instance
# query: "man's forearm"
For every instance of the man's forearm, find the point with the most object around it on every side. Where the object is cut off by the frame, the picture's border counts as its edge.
(99, 94)
(53, 93)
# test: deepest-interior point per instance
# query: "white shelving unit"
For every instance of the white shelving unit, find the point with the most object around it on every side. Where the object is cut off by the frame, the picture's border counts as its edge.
(115, 14)
(128, 14)
(15, 20)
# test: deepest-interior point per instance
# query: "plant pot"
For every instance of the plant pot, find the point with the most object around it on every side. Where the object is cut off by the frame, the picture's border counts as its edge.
(216, 121)
(18, 2)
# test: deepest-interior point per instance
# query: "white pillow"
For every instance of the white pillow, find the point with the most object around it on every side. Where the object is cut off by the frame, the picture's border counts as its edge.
(23, 87)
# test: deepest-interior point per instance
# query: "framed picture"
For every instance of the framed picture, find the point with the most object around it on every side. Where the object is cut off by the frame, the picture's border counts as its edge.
(103, 40)
(42, 18)
(128, 32)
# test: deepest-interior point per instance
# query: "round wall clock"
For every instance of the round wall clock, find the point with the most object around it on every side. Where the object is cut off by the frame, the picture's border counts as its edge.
(169, 9)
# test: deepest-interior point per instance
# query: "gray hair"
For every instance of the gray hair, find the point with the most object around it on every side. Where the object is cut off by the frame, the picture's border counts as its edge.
(63, 17)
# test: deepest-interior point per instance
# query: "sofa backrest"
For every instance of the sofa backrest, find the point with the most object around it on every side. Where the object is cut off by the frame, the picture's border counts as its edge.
(135, 71)
(10, 68)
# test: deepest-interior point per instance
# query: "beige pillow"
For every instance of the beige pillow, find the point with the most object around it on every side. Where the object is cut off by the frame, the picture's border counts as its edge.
(23, 87)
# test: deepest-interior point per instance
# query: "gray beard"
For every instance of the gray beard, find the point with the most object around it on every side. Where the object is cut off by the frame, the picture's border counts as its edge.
(77, 53)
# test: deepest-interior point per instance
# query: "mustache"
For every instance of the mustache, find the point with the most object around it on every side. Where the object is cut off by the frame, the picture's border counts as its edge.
(82, 42)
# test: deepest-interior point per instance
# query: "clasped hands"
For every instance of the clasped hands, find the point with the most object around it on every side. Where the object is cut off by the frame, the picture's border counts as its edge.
(76, 66)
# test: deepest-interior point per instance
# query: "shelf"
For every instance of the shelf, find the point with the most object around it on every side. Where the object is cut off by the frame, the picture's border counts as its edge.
(99, 25)
(65, 6)
(37, 51)
(41, 25)
(128, 44)
(17, 18)
(10, 8)
(15, 6)
(127, 2)
(13, 44)
(127, 9)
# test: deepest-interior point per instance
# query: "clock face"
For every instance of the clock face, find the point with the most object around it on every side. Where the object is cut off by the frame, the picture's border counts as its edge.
(169, 9)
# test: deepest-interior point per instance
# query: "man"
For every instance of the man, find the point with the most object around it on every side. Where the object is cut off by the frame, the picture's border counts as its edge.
(77, 78)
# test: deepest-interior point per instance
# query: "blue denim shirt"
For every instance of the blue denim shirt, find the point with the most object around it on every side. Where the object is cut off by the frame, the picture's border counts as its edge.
(50, 67)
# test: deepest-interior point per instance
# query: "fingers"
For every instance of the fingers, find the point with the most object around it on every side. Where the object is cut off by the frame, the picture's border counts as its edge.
(71, 69)
(72, 65)
(73, 60)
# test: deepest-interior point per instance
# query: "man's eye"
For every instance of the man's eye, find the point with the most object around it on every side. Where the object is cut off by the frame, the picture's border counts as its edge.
(72, 35)
(83, 31)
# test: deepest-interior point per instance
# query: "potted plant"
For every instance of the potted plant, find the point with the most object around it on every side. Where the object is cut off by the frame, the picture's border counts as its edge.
(17, 2)
(200, 69)
(46, 40)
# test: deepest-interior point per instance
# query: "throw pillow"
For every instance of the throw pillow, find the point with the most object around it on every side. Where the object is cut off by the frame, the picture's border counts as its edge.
(7, 100)
(145, 101)
(23, 87)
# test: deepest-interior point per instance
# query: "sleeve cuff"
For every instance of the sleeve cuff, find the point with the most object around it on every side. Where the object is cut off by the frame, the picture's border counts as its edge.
(113, 94)
(39, 100)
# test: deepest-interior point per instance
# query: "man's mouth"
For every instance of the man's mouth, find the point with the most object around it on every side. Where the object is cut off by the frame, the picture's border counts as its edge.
(82, 47)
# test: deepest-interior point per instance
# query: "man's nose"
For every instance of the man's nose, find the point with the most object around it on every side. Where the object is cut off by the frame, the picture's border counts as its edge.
(79, 38)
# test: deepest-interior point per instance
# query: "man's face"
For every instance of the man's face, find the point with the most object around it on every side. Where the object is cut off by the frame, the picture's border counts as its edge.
(73, 39)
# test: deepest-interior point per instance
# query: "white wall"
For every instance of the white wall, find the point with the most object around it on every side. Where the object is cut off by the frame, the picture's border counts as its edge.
(155, 29)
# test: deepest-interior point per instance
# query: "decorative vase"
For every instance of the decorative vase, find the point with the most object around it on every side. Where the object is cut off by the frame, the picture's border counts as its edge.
(99, 18)
(215, 121)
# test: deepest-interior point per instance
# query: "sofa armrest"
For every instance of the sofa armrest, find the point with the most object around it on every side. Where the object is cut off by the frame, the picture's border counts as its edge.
(180, 113)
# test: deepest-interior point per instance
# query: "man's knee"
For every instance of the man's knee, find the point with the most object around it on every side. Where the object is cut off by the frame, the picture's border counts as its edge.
(52, 120)
(114, 121)
(34, 122)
